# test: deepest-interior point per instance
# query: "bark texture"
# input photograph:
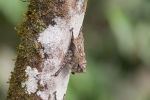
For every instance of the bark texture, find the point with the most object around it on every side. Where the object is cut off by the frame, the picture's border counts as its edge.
(45, 37)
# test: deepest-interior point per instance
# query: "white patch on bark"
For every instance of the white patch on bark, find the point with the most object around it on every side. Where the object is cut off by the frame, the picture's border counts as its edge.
(76, 23)
(31, 84)
(80, 4)
(43, 95)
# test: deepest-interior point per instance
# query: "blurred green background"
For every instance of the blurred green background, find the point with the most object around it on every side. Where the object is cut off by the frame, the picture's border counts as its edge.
(117, 45)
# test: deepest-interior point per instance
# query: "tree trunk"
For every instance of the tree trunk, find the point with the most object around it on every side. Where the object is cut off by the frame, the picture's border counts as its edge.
(45, 38)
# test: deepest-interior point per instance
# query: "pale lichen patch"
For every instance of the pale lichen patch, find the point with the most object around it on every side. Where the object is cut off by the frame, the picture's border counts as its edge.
(31, 83)
(43, 94)
(80, 4)
(76, 23)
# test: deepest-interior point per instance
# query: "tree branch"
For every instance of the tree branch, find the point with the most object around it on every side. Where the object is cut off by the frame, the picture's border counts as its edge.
(45, 38)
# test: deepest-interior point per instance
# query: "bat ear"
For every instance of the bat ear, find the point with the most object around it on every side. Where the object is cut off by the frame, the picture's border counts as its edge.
(72, 35)
(81, 28)
(80, 32)
(71, 30)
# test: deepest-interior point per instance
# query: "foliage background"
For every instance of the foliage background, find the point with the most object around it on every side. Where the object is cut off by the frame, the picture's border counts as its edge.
(117, 45)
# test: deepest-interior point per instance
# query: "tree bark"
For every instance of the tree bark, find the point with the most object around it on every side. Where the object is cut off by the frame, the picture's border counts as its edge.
(45, 38)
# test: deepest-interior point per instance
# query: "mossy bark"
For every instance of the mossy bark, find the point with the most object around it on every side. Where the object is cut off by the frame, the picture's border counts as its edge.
(40, 14)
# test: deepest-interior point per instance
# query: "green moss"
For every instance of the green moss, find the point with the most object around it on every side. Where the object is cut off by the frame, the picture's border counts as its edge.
(39, 15)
